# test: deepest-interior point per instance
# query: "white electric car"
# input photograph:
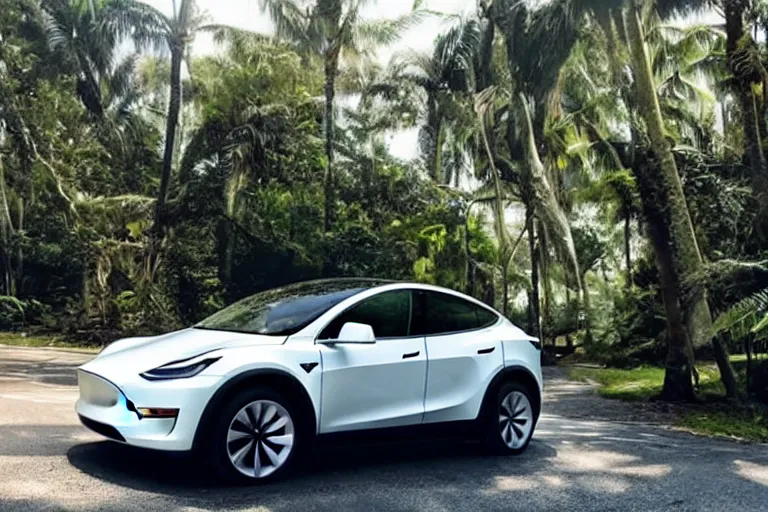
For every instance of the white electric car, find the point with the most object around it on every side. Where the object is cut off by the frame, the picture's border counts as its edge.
(250, 387)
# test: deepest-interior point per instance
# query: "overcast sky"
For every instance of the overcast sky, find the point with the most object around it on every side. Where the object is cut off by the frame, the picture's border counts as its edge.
(247, 14)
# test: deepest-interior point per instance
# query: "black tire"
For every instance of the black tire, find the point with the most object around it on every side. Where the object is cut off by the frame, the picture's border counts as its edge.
(214, 449)
(492, 432)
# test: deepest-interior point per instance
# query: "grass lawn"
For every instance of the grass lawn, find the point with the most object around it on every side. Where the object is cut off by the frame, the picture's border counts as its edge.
(713, 416)
(18, 340)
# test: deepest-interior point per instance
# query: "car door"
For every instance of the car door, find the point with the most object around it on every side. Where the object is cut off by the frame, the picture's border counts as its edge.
(374, 385)
(464, 354)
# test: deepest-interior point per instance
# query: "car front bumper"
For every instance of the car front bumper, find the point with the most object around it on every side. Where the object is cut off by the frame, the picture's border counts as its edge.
(110, 410)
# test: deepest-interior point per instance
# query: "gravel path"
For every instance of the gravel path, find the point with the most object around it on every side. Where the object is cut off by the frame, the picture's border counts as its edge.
(580, 400)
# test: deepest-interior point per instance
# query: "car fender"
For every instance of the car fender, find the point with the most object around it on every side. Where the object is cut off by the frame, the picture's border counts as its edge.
(508, 373)
(283, 361)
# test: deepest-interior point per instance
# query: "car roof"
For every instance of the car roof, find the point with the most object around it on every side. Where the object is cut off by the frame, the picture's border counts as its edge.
(361, 284)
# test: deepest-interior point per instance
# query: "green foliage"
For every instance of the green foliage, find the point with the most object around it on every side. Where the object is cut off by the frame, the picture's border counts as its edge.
(639, 384)
(521, 108)
(747, 317)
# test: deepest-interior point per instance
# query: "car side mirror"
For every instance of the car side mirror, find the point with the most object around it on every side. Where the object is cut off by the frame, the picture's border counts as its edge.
(352, 332)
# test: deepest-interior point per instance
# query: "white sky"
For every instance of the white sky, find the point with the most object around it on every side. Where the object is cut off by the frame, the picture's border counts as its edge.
(247, 14)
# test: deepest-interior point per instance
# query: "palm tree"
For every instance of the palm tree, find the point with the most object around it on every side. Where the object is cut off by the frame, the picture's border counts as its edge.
(745, 64)
(333, 31)
(675, 242)
(687, 314)
(150, 28)
(84, 46)
(445, 79)
(534, 76)
(244, 122)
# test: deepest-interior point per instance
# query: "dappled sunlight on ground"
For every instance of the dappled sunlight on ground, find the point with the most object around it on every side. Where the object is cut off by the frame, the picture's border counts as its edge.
(50, 462)
(757, 473)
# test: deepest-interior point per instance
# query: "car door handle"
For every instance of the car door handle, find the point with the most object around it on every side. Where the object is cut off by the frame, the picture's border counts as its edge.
(411, 354)
(486, 350)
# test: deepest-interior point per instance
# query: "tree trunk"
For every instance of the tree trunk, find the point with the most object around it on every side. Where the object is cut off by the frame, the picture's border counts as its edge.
(19, 274)
(177, 43)
(506, 251)
(734, 30)
(437, 157)
(469, 273)
(627, 247)
(331, 64)
(483, 78)
(505, 286)
(6, 230)
(545, 279)
(679, 363)
(588, 338)
(91, 96)
(685, 256)
(748, 350)
(752, 139)
(534, 313)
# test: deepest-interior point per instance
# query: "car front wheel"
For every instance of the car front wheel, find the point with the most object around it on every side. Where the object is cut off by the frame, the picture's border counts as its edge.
(256, 436)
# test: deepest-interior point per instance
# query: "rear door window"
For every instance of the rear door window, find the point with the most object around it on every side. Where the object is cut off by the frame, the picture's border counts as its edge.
(446, 313)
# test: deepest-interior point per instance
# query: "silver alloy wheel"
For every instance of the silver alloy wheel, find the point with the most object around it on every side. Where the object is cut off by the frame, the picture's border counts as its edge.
(260, 438)
(515, 419)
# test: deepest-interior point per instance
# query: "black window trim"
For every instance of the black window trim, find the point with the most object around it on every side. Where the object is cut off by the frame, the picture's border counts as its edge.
(410, 316)
(479, 304)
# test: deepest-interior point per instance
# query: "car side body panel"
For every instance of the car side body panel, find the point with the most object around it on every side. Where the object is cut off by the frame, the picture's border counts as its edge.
(373, 386)
(460, 367)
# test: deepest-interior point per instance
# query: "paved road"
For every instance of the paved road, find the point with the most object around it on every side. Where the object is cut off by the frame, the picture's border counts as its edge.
(49, 462)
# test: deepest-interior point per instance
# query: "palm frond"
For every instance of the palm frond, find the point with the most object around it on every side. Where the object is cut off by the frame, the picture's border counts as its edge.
(749, 315)
(369, 34)
(548, 207)
(55, 32)
(226, 34)
(120, 81)
(147, 27)
(292, 19)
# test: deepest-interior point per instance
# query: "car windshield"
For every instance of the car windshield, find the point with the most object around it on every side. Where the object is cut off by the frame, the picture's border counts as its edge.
(285, 310)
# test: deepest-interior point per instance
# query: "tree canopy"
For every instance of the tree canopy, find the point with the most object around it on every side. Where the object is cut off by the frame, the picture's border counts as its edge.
(594, 170)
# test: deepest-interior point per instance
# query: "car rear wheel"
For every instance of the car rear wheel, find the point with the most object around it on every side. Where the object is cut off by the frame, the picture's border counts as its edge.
(256, 437)
(511, 420)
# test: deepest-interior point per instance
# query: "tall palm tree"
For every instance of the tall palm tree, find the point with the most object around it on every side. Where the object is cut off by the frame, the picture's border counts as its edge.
(333, 31)
(84, 47)
(150, 28)
(745, 64)
(678, 257)
(534, 78)
(688, 314)
(445, 78)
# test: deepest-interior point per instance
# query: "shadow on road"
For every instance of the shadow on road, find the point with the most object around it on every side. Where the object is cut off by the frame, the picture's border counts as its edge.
(598, 465)
(383, 464)
(53, 373)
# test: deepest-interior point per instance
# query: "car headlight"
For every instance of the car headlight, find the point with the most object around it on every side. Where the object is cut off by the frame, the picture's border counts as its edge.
(183, 369)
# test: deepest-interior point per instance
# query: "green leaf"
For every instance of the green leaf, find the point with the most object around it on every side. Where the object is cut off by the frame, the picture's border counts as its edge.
(762, 324)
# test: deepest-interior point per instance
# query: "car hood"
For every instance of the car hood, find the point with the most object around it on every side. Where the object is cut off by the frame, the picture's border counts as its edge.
(126, 358)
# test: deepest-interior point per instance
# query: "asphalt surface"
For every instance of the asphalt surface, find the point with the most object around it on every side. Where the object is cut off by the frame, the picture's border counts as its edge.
(48, 461)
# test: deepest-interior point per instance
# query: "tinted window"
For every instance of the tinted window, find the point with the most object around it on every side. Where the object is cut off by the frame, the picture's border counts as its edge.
(284, 310)
(388, 313)
(446, 313)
